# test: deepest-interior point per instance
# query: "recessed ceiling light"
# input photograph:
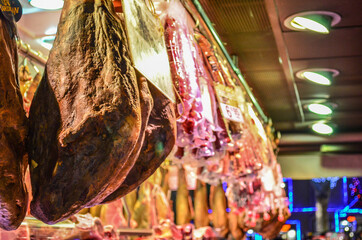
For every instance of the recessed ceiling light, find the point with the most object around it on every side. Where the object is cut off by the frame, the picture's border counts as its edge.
(296, 25)
(322, 128)
(47, 42)
(316, 21)
(318, 77)
(47, 4)
(323, 76)
(51, 31)
(320, 109)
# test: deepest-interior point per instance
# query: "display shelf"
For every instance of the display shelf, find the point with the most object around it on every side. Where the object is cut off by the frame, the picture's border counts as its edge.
(134, 232)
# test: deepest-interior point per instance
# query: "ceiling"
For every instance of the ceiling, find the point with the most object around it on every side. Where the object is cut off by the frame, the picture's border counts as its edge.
(270, 55)
(34, 24)
(254, 31)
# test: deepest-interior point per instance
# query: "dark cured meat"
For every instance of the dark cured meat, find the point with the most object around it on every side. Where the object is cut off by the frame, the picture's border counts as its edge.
(235, 231)
(201, 218)
(270, 229)
(159, 141)
(85, 117)
(146, 108)
(13, 129)
(146, 103)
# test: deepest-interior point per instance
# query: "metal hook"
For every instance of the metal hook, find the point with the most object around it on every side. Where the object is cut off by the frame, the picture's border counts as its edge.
(151, 7)
(197, 25)
(27, 48)
(34, 66)
(25, 61)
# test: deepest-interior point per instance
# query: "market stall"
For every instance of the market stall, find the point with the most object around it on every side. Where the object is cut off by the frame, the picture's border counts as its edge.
(137, 124)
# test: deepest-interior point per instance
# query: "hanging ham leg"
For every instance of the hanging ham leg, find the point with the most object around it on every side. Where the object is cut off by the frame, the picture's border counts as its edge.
(146, 102)
(183, 211)
(13, 129)
(85, 118)
(235, 231)
(219, 214)
(201, 209)
(158, 143)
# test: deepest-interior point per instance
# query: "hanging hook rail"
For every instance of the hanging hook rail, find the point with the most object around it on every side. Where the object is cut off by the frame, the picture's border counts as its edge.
(208, 23)
(27, 51)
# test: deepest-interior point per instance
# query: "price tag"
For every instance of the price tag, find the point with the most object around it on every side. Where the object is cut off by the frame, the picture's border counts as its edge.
(191, 177)
(231, 113)
(10, 8)
(147, 45)
(206, 100)
(173, 178)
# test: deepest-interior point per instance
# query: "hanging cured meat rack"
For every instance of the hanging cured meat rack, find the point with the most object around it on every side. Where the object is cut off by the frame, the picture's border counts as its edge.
(195, 9)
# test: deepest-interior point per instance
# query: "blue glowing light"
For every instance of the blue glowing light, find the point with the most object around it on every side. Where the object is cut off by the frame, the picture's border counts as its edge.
(338, 212)
(224, 186)
(297, 223)
(258, 237)
(290, 194)
(336, 222)
(331, 210)
(345, 193)
(355, 200)
(306, 209)
(355, 210)
(332, 181)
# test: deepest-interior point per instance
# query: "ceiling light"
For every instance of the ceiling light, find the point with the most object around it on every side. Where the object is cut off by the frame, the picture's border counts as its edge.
(344, 223)
(250, 231)
(320, 109)
(47, 4)
(322, 128)
(291, 234)
(323, 76)
(319, 77)
(47, 42)
(51, 31)
(316, 21)
(296, 25)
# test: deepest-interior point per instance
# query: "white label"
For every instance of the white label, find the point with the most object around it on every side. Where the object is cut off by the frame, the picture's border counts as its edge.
(173, 178)
(147, 45)
(206, 100)
(191, 177)
(231, 113)
(267, 178)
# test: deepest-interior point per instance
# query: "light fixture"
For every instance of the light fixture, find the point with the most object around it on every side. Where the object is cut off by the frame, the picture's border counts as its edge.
(47, 42)
(47, 4)
(344, 223)
(320, 109)
(292, 234)
(322, 128)
(323, 76)
(51, 31)
(316, 21)
(250, 231)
